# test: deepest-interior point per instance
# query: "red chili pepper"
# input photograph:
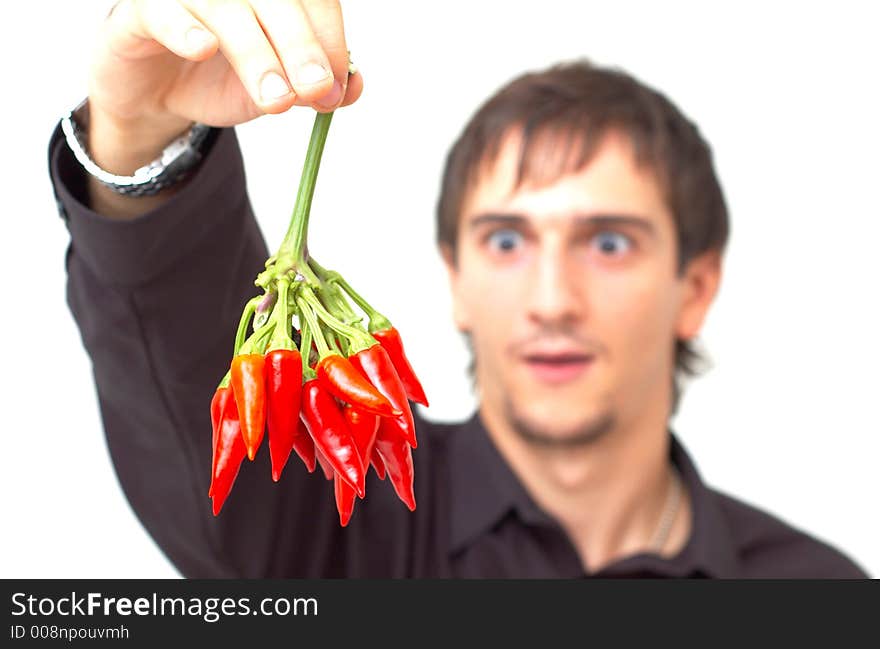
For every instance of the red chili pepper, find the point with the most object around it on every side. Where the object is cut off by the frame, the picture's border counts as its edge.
(218, 402)
(283, 378)
(248, 384)
(393, 344)
(344, 499)
(378, 464)
(344, 382)
(231, 451)
(363, 427)
(329, 473)
(327, 427)
(397, 456)
(376, 365)
(304, 446)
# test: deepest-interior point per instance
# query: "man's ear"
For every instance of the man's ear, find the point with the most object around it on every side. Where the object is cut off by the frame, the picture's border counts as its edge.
(700, 284)
(459, 311)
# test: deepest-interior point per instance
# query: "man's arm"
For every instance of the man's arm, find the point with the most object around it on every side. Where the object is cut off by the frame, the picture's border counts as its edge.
(157, 284)
(157, 300)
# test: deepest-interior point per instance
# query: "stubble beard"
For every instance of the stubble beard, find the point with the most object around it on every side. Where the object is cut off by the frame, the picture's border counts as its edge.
(583, 434)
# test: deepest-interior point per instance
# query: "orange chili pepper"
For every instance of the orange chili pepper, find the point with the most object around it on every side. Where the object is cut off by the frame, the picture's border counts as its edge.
(347, 384)
(249, 387)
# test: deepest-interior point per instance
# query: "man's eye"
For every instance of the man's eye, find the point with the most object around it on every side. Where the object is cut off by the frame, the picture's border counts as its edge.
(612, 243)
(504, 240)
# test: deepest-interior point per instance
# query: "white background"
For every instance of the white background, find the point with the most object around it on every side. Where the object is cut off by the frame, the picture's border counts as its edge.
(787, 95)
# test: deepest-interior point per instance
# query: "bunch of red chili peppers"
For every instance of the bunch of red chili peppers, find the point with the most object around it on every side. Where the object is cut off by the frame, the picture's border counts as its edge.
(307, 373)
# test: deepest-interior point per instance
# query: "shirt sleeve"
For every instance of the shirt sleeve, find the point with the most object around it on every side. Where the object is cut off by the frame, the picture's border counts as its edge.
(157, 300)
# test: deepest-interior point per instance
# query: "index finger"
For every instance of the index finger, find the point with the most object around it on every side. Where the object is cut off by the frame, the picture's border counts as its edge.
(327, 25)
(354, 90)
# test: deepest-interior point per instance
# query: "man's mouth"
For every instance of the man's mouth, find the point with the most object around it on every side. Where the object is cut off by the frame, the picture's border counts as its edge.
(557, 367)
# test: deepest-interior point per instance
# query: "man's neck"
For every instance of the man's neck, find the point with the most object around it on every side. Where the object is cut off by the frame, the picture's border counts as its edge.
(609, 496)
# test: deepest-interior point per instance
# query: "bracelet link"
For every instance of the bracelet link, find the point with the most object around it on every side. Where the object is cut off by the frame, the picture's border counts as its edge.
(176, 161)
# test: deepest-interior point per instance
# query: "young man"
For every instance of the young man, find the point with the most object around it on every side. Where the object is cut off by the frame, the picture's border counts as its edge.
(582, 227)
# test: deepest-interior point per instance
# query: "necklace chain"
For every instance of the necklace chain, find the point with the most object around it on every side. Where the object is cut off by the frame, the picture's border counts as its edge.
(670, 510)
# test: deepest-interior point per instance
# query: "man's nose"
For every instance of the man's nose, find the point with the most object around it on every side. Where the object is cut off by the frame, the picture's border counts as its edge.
(554, 297)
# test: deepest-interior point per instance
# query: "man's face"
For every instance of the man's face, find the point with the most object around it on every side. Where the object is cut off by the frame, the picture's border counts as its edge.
(570, 295)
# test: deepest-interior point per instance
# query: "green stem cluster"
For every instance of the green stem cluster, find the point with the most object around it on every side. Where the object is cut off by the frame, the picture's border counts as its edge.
(290, 260)
(295, 284)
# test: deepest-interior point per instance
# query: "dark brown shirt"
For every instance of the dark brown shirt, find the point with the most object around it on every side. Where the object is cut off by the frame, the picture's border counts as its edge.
(157, 300)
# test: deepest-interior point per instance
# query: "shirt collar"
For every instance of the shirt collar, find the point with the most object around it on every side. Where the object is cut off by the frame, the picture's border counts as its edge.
(711, 545)
(485, 490)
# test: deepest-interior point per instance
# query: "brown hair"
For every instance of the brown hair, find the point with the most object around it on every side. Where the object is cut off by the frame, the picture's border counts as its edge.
(573, 105)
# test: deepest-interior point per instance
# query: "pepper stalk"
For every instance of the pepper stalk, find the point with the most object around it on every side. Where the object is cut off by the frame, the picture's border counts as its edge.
(292, 254)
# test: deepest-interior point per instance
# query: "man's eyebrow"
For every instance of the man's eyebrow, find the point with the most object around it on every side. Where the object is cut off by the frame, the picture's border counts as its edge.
(612, 220)
(581, 220)
(497, 218)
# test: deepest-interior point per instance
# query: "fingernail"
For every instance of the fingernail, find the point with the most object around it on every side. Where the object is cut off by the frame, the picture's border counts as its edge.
(197, 38)
(310, 74)
(273, 87)
(333, 96)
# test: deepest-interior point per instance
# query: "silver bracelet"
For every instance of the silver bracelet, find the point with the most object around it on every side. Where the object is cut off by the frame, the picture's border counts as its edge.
(177, 159)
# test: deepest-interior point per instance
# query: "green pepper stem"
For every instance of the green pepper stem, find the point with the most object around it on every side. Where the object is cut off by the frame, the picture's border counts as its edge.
(332, 300)
(338, 284)
(281, 316)
(305, 346)
(331, 342)
(340, 303)
(240, 335)
(360, 339)
(319, 269)
(305, 308)
(292, 252)
(256, 343)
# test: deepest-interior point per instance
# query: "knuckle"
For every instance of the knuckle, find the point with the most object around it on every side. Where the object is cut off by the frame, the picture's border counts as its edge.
(255, 58)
